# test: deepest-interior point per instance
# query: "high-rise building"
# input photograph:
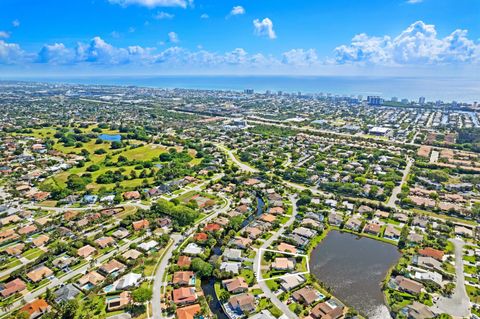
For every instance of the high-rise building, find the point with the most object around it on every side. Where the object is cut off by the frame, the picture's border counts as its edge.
(394, 99)
(421, 100)
(374, 100)
(248, 91)
(404, 101)
(279, 93)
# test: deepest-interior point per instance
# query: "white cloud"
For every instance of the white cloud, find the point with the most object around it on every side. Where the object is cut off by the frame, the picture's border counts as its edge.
(300, 57)
(264, 28)
(131, 30)
(414, 1)
(16, 23)
(4, 34)
(154, 3)
(204, 16)
(237, 10)
(418, 44)
(173, 37)
(55, 54)
(164, 15)
(10, 53)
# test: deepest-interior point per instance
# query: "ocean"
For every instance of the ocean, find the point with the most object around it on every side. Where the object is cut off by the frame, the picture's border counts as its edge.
(433, 88)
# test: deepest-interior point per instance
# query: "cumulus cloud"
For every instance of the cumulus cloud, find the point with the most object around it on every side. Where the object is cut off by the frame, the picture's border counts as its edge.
(4, 34)
(204, 16)
(16, 23)
(153, 3)
(173, 37)
(164, 15)
(237, 10)
(55, 53)
(264, 28)
(414, 1)
(10, 53)
(300, 57)
(418, 44)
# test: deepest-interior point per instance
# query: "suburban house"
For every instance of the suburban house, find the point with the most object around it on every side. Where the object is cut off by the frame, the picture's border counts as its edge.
(235, 285)
(242, 303)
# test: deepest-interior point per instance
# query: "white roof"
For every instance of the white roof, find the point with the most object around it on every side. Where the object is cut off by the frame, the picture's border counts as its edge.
(193, 249)
(148, 245)
(129, 280)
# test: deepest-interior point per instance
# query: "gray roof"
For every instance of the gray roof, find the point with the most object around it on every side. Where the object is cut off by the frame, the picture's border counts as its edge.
(66, 293)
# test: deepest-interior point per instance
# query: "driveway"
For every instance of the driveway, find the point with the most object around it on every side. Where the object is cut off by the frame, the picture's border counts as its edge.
(458, 304)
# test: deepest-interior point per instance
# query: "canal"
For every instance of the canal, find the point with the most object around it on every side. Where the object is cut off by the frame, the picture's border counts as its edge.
(354, 267)
(208, 284)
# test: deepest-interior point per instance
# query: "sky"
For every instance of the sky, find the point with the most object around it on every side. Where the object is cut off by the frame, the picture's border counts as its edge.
(287, 37)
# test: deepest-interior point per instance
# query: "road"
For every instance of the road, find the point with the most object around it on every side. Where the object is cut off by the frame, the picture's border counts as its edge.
(257, 263)
(158, 284)
(458, 304)
(242, 166)
(398, 189)
(58, 281)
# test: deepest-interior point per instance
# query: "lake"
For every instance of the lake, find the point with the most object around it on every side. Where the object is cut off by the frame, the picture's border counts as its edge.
(354, 267)
(110, 137)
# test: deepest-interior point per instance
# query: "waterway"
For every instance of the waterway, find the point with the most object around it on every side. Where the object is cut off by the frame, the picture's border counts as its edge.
(354, 267)
(208, 284)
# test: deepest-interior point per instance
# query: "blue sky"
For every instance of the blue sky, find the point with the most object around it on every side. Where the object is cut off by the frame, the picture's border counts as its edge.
(348, 37)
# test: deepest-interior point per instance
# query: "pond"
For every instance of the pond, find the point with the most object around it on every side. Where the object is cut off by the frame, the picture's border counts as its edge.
(354, 267)
(110, 137)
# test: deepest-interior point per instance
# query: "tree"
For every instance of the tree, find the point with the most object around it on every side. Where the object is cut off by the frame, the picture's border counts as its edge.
(142, 295)
(202, 268)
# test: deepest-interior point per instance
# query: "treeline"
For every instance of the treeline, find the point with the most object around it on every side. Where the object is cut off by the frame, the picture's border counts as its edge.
(181, 214)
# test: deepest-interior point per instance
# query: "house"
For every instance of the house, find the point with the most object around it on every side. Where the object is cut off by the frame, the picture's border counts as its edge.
(184, 295)
(335, 219)
(364, 209)
(253, 232)
(15, 250)
(131, 195)
(235, 285)
(130, 280)
(269, 218)
(200, 237)
(40, 240)
(113, 266)
(415, 238)
(27, 230)
(392, 233)
(232, 267)
(189, 312)
(330, 309)
(86, 251)
(131, 254)
(39, 273)
(291, 282)
(287, 248)
(63, 262)
(141, 224)
(372, 228)
(283, 264)
(264, 314)
(463, 231)
(408, 285)
(184, 262)
(149, 245)
(119, 302)
(104, 242)
(184, 278)
(304, 232)
(428, 276)
(306, 295)
(212, 227)
(120, 233)
(418, 310)
(353, 223)
(242, 242)
(90, 280)
(427, 262)
(193, 249)
(36, 308)
(232, 254)
(12, 287)
(66, 293)
(90, 199)
(431, 252)
(242, 303)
